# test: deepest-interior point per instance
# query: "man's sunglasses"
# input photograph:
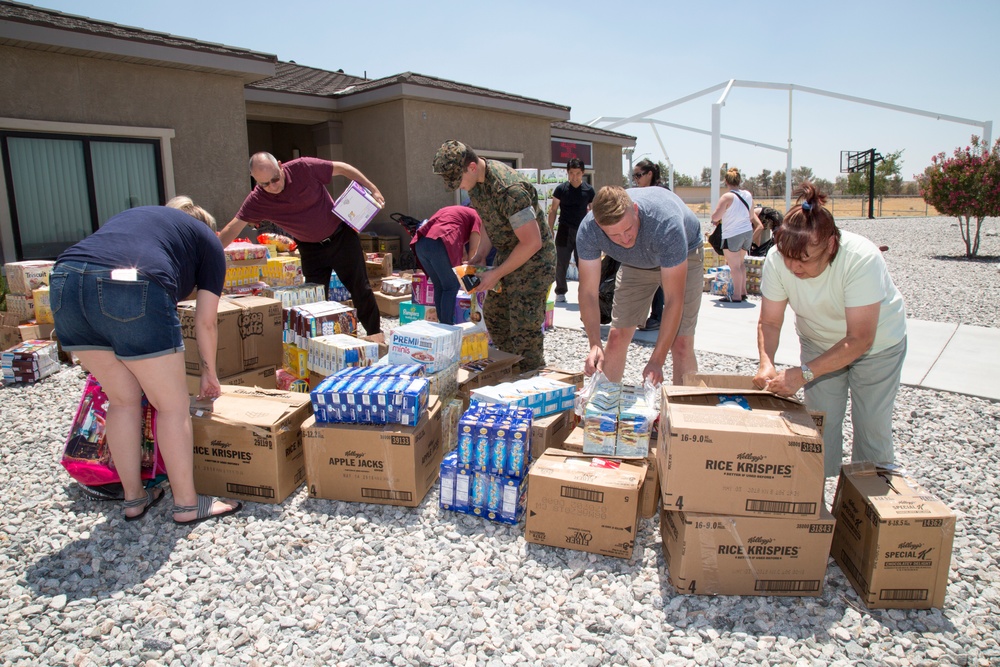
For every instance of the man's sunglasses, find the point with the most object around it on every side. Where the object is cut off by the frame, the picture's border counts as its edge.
(270, 182)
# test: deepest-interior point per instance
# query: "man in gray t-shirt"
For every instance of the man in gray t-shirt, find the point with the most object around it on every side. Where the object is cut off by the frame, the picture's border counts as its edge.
(658, 240)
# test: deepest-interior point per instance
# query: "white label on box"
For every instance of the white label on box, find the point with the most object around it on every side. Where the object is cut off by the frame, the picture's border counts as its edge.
(356, 206)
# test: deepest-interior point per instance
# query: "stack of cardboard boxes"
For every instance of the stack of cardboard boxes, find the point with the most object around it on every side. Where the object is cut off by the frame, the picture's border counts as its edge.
(249, 341)
(741, 477)
(23, 279)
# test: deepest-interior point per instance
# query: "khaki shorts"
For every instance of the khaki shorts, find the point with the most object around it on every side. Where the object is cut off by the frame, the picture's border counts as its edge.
(634, 290)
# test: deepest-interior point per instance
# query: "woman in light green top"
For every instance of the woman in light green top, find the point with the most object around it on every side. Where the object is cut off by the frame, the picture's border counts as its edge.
(851, 324)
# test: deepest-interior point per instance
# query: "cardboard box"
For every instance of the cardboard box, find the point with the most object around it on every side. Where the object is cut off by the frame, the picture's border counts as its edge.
(550, 432)
(496, 368)
(250, 445)
(21, 306)
(742, 382)
(388, 304)
(368, 243)
(714, 554)
(249, 335)
(560, 374)
(10, 335)
(576, 505)
(25, 277)
(765, 461)
(387, 465)
(356, 206)
(378, 266)
(415, 312)
(262, 378)
(388, 244)
(383, 347)
(649, 494)
(893, 538)
(574, 440)
(13, 331)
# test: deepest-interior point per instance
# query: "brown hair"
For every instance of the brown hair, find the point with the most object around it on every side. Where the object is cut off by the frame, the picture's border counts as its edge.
(610, 205)
(808, 222)
(733, 177)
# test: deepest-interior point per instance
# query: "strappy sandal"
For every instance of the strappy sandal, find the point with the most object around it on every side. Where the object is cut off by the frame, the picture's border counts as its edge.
(204, 511)
(145, 502)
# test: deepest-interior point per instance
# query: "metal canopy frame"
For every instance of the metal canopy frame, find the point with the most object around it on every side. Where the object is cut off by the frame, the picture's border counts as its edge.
(644, 117)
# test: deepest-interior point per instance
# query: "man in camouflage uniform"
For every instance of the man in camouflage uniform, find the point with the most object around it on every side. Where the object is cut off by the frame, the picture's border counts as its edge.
(526, 256)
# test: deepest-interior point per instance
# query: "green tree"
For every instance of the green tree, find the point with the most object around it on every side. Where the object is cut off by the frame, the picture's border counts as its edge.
(966, 185)
(888, 180)
(778, 184)
(823, 185)
(800, 174)
(888, 177)
(764, 180)
(706, 176)
(681, 180)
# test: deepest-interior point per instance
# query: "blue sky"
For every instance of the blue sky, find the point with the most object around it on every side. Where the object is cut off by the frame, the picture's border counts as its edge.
(618, 59)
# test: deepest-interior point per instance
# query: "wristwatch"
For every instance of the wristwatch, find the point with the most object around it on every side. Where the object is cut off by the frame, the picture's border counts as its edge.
(807, 373)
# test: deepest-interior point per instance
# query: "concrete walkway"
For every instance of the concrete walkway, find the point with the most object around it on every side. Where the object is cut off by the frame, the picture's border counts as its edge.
(951, 357)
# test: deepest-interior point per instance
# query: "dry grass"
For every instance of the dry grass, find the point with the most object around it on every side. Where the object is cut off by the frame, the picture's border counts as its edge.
(850, 207)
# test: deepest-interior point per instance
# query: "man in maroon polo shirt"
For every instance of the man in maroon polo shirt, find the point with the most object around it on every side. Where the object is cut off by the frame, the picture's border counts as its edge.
(294, 195)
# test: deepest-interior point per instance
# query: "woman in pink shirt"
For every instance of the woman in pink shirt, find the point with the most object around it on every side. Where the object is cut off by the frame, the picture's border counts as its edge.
(439, 245)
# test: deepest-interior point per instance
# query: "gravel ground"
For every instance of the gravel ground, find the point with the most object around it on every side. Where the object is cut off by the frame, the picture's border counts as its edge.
(312, 582)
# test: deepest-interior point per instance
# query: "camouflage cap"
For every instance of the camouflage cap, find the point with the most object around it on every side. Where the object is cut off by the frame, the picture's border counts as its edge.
(449, 162)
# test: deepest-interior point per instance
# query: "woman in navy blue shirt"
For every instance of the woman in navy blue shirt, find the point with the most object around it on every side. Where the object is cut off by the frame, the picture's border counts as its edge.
(114, 299)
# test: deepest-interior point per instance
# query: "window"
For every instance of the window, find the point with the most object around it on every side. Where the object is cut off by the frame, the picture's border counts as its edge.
(61, 188)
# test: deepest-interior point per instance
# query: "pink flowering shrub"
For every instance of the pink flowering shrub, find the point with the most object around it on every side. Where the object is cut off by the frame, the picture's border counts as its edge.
(966, 185)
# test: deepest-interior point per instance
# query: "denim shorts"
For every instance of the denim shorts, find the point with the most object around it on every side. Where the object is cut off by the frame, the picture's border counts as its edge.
(135, 319)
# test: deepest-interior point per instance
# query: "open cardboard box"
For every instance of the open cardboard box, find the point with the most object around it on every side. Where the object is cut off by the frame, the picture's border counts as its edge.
(893, 538)
(249, 444)
(763, 461)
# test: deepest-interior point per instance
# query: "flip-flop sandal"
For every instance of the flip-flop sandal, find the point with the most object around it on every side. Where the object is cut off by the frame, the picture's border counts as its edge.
(204, 511)
(146, 502)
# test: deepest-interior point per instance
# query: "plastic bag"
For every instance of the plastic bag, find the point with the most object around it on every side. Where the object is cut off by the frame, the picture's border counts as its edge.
(284, 243)
(86, 455)
(582, 396)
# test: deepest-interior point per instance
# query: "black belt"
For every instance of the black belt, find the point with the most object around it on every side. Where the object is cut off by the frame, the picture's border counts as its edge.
(326, 241)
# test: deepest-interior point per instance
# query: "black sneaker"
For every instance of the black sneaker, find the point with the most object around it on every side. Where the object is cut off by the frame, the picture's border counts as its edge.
(650, 325)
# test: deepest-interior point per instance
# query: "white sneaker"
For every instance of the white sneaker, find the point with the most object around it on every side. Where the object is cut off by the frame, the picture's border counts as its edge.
(560, 298)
